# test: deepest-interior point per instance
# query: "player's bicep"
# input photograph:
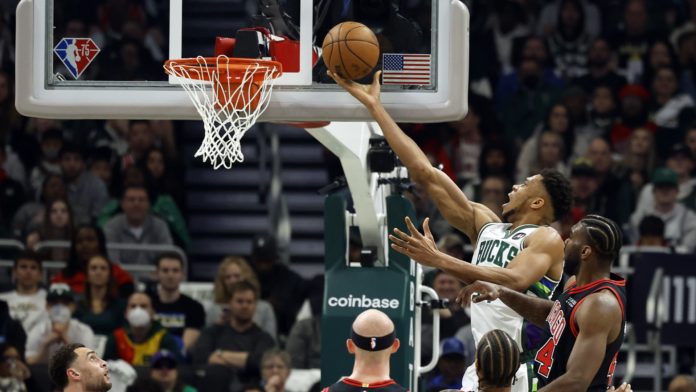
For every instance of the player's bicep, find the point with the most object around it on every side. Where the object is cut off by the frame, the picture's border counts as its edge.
(542, 250)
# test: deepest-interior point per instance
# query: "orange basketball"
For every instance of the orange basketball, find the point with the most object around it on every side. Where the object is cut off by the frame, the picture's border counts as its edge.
(351, 50)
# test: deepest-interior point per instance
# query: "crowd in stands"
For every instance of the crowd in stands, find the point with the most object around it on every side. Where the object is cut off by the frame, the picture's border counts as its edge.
(603, 91)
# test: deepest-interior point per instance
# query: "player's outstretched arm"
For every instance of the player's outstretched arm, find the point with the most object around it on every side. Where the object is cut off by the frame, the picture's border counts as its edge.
(599, 322)
(543, 247)
(530, 308)
(454, 206)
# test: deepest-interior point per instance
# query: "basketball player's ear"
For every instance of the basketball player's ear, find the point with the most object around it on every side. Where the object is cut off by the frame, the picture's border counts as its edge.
(395, 346)
(538, 203)
(586, 251)
(350, 346)
(73, 374)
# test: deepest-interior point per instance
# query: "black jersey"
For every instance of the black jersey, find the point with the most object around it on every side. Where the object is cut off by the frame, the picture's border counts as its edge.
(562, 331)
(349, 385)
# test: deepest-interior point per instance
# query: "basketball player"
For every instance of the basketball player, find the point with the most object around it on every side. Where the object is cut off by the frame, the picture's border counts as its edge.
(76, 368)
(372, 341)
(524, 255)
(585, 326)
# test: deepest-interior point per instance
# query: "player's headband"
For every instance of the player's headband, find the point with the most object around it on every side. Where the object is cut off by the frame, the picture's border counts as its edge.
(372, 343)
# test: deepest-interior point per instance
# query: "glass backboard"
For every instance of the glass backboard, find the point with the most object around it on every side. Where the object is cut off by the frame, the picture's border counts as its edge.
(78, 59)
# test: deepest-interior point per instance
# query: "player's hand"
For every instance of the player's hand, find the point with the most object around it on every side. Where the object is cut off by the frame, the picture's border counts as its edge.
(478, 291)
(419, 247)
(368, 95)
(622, 388)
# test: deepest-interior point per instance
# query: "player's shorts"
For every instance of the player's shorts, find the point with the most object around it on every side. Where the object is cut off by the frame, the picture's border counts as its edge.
(523, 379)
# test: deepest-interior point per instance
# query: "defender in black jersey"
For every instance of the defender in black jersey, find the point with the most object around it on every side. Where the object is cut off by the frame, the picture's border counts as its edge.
(372, 341)
(585, 325)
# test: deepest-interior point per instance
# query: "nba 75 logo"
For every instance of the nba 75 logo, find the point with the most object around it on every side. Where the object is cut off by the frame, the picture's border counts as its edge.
(76, 54)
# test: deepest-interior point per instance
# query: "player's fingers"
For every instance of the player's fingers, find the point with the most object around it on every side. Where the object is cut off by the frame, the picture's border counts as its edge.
(402, 235)
(412, 228)
(426, 229)
(338, 79)
(399, 249)
(398, 241)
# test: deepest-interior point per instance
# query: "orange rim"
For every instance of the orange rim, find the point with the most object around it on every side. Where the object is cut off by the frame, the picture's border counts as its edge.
(198, 68)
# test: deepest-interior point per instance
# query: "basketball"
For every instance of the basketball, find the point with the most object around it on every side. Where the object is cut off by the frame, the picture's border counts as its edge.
(351, 50)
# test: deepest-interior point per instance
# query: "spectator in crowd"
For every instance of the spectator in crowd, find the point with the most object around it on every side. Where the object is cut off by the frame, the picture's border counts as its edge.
(56, 226)
(550, 155)
(27, 302)
(136, 225)
(31, 214)
(523, 110)
(453, 317)
(453, 245)
(113, 135)
(75, 367)
(14, 373)
(690, 141)
(681, 162)
(632, 42)
(497, 159)
(60, 328)
(182, 315)
(237, 345)
(49, 162)
(160, 175)
(557, 121)
(87, 194)
(450, 366)
(651, 232)
(88, 241)
(304, 341)
(10, 119)
(275, 370)
(550, 14)
(603, 113)
(634, 114)
(613, 192)
(101, 308)
(507, 24)
(232, 270)
(140, 140)
(101, 166)
(164, 370)
(600, 68)
(680, 222)
(669, 105)
(687, 60)
(583, 180)
(11, 197)
(371, 365)
(640, 159)
(281, 286)
(659, 55)
(569, 41)
(142, 336)
(493, 193)
(682, 383)
(11, 330)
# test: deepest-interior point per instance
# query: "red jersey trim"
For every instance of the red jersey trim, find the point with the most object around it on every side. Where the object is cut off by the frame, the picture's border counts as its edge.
(574, 328)
(588, 286)
(359, 384)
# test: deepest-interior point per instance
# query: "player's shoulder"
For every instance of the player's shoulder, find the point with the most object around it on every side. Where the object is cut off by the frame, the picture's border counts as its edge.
(544, 235)
(601, 305)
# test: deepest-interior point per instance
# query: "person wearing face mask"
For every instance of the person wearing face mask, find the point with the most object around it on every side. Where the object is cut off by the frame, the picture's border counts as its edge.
(142, 336)
(51, 143)
(59, 328)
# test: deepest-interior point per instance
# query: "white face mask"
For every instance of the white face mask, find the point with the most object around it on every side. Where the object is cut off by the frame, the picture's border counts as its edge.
(138, 317)
(59, 313)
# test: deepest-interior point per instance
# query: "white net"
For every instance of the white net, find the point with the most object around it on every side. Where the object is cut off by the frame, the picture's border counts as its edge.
(230, 95)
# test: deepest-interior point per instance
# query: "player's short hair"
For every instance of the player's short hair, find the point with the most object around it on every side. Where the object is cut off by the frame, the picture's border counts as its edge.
(28, 255)
(559, 189)
(60, 362)
(243, 285)
(497, 359)
(604, 236)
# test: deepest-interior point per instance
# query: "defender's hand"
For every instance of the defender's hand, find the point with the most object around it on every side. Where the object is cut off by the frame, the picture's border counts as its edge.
(481, 291)
(368, 95)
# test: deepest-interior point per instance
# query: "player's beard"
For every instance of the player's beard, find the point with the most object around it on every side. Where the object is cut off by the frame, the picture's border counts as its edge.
(98, 385)
(507, 215)
(571, 264)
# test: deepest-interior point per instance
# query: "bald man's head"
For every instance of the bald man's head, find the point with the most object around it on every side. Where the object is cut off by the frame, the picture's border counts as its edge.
(373, 337)
(372, 322)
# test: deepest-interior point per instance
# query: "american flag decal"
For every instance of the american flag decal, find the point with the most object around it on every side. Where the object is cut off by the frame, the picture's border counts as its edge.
(406, 68)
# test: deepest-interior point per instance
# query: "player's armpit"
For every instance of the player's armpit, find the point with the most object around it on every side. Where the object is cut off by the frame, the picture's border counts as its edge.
(598, 319)
(543, 249)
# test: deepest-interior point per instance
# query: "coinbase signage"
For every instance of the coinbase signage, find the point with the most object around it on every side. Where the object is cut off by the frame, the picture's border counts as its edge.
(363, 302)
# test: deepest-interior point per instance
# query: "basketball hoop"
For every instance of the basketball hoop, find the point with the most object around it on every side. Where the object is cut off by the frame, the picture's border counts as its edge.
(229, 94)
